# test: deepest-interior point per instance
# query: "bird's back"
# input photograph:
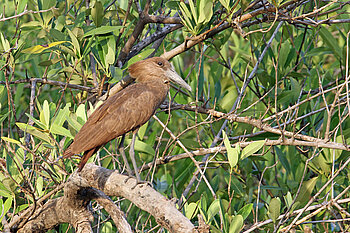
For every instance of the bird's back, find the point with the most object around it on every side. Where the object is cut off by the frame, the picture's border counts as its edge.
(121, 113)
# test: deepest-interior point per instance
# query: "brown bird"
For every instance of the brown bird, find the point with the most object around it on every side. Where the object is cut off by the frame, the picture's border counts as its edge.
(127, 110)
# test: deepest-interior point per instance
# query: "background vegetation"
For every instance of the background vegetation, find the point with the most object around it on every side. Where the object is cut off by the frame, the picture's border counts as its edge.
(273, 149)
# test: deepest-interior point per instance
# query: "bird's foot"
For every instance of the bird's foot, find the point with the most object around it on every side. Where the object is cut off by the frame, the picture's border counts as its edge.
(127, 179)
(138, 181)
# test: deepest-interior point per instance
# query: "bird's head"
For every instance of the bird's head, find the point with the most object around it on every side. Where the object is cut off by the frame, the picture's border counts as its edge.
(156, 68)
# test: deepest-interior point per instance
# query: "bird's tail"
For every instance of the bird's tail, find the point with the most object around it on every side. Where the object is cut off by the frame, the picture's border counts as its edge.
(86, 156)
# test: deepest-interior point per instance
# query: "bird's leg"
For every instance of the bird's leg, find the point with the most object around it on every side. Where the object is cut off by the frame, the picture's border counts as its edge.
(122, 152)
(132, 156)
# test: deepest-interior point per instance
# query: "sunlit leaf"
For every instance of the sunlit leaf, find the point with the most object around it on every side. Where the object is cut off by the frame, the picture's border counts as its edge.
(205, 11)
(252, 148)
(34, 131)
(57, 129)
(232, 153)
(107, 227)
(45, 114)
(5, 207)
(11, 140)
(191, 210)
(142, 146)
(236, 224)
(40, 48)
(81, 113)
(74, 123)
(140, 56)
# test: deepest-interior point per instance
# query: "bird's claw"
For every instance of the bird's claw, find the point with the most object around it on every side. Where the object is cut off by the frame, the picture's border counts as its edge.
(142, 182)
(138, 181)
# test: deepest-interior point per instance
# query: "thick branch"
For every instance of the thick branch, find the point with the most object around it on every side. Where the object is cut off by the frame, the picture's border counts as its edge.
(143, 196)
(71, 208)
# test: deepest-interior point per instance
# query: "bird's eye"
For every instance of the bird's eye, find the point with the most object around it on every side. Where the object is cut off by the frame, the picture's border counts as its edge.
(160, 63)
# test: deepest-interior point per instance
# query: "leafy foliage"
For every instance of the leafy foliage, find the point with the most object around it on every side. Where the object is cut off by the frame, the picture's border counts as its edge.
(272, 145)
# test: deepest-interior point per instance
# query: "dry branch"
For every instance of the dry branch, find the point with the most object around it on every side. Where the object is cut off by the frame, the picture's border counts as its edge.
(50, 82)
(143, 196)
(95, 183)
(71, 208)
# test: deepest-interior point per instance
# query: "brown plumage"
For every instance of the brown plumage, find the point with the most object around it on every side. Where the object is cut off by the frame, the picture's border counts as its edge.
(128, 109)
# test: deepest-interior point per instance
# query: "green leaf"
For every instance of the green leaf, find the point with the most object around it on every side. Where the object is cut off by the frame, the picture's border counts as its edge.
(274, 209)
(21, 5)
(142, 146)
(57, 129)
(74, 123)
(34, 131)
(11, 140)
(246, 210)
(4, 192)
(186, 17)
(107, 227)
(193, 11)
(191, 210)
(61, 115)
(213, 209)
(205, 11)
(142, 130)
(288, 199)
(306, 190)
(330, 41)
(81, 113)
(200, 80)
(110, 56)
(75, 42)
(174, 5)
(18, 94)
(40, 185)
(103, 30)
(295, 88)
(283, 54)
(236, 224)
(5, 43)
(226, 4)
(4, 116)
(6, 207)
(232, 153)
(45, 115)
(39, 123)
(97, 13)
(50, 62)
(252, 148)
(140, 56)
(31, 24)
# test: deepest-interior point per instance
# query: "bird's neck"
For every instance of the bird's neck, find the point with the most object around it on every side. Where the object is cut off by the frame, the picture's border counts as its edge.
(161, 88)
(157, 84)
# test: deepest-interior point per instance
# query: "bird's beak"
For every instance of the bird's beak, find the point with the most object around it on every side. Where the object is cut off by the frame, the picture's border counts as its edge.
(174, 77)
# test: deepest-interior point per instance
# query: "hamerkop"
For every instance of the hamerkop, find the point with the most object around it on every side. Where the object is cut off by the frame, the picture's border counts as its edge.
(127, 110)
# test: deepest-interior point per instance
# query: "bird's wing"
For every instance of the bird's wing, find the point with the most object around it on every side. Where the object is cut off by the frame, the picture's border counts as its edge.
(121, 113)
